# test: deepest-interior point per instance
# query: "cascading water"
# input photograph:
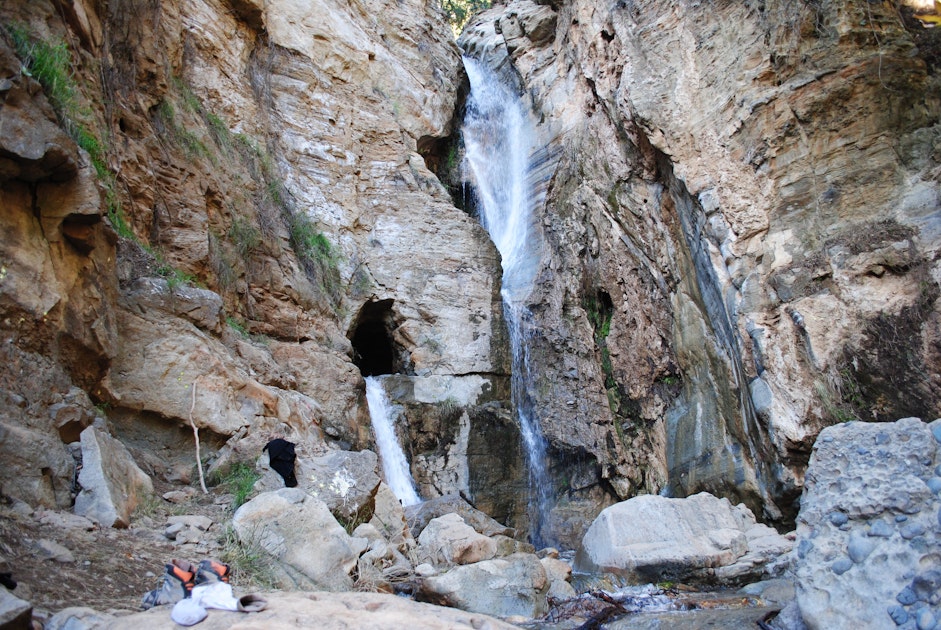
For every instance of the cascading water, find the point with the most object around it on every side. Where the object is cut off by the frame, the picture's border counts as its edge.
(394, 465)
(499, 143)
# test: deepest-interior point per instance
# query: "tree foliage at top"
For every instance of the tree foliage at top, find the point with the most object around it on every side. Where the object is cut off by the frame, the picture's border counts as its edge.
(460, 11)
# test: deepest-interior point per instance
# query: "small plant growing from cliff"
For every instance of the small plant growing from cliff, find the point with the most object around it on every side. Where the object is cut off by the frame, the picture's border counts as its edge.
(219, 131)
(245, 237)
(175, 277)
(315, 252)
(50, 63)
(188, 97)
(831, 397)
(221, 262)
(237, 326)
(167, 123)
(116, 212)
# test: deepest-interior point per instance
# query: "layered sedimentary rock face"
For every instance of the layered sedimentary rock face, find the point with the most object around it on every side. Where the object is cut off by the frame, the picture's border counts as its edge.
(744, 228)
(266, 167)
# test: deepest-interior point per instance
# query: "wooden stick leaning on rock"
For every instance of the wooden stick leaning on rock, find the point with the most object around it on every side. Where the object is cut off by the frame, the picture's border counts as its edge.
(199, 461)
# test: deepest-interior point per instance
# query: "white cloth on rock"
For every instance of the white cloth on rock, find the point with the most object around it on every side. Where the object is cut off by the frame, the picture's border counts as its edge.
(217, 595)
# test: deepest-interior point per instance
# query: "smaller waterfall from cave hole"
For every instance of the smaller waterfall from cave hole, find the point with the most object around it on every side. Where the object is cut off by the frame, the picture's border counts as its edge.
(499, 145)
(394, 465)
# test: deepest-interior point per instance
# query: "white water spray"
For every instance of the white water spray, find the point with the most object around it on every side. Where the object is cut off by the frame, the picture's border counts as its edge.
(394, 465)
(499, 142)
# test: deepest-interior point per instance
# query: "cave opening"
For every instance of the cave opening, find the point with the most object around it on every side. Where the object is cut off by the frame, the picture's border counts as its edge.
(374, 351)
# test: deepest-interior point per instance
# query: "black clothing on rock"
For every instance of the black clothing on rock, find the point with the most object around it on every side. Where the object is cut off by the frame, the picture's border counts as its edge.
(281, 457)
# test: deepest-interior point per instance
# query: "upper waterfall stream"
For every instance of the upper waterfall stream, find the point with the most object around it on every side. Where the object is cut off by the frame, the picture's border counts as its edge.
(499, 141)
(394, 465)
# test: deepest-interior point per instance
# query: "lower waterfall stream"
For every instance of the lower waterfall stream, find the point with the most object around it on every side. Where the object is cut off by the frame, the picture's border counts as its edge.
(499, 142)
(394, 465)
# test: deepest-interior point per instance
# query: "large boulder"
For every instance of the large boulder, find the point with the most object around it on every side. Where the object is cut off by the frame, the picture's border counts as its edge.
(301, 534)
(112, 484)
(514, 585)
(347, 481)
(651, 538)
(868, 528)
(448, 540)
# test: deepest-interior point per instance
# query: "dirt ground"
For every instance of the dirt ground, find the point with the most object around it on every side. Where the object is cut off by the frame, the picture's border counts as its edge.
(112, 568)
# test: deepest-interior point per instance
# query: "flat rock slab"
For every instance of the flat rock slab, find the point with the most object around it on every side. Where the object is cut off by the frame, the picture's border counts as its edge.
(325, 611)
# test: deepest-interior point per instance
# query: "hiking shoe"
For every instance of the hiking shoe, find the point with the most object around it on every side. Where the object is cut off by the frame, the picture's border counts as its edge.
(178, 582)
(211, 571)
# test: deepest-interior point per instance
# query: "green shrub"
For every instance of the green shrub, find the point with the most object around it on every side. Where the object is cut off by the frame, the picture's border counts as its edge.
(167, 120)
(219, 131)
(175, 277)
(237, 326)
(239, 480)
(49, 63)
(245, 237)
(459, 12)
(189, 98)
(315, 252)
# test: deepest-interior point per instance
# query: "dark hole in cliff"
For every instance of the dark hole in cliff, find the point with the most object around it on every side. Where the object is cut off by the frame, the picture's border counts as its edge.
(374, 351)
(433, 151)
(443, 157)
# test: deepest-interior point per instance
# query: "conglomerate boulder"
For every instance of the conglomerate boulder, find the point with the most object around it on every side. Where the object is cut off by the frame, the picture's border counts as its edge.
(869, 528)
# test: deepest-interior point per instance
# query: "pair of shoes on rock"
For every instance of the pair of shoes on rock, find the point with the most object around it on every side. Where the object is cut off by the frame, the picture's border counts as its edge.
(181, 576)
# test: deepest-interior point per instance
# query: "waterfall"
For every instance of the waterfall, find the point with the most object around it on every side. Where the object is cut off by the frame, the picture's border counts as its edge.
(499, 145)
(394, 465)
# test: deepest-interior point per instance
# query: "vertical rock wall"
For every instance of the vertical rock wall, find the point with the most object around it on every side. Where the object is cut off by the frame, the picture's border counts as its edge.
(744, 227)
(251, 176)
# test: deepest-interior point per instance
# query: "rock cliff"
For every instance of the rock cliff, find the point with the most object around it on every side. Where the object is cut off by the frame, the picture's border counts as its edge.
(743, 226)
(222, 213)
